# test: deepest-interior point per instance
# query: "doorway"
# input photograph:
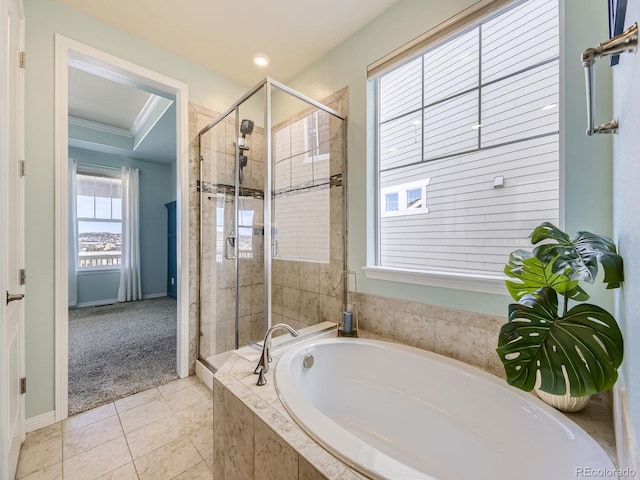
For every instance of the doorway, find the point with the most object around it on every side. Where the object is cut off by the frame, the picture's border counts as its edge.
(106, 67)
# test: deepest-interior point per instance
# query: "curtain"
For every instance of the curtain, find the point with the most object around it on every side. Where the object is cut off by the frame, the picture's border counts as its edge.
(130, 285)
(73, 236)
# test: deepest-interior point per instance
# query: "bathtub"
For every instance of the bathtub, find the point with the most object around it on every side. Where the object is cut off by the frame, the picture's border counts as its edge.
(396, 412)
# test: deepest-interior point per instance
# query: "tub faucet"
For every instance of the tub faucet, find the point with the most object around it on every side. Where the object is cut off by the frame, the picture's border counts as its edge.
(265, 357)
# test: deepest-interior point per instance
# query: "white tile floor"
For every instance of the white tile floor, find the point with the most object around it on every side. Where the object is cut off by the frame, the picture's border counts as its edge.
(158, 434)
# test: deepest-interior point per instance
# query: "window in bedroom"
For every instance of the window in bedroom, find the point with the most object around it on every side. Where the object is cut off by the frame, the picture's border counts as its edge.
(99, 221)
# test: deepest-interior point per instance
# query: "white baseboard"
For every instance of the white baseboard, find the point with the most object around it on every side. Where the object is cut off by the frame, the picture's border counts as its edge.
(154, 295)
(97, 303)
(204, 374)
(110, 301)
(626, 443)
(40, 421)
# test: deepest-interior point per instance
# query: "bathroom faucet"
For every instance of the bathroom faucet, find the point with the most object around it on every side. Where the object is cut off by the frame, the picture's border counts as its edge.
(265, 357)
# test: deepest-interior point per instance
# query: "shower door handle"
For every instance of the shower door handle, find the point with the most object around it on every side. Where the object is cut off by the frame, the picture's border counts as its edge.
(229, 240)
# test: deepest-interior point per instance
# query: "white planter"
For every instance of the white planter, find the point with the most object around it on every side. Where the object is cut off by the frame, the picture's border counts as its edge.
(564, 403)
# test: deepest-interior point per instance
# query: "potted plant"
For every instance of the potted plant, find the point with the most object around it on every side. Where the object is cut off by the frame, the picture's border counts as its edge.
(569, 353)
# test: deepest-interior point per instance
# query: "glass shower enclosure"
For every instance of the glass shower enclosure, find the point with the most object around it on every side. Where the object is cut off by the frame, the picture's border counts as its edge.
(272, 218)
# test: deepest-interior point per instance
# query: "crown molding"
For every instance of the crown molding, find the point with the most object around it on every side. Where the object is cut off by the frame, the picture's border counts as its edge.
(145, 113)
(101, 127)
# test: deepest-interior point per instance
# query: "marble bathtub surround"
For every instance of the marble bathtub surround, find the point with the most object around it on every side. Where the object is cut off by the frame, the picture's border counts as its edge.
(469, 337)
(466, 336)
(267, 443)
(161, 433)
(255, 438)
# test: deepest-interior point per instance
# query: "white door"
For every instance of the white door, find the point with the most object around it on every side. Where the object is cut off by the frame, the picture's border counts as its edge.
(11, 238)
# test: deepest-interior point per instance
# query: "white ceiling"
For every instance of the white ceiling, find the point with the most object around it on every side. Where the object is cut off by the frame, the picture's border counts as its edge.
(223, 35)
(118, 119)
(104, 101)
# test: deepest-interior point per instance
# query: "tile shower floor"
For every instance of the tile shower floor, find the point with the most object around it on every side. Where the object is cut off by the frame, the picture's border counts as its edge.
(161, 433)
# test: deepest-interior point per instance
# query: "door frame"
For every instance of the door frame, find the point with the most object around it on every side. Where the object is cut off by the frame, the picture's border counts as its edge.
(110, 66)
(6, 66)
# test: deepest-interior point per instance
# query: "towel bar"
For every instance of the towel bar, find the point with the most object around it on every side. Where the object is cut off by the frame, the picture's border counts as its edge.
(627, 41)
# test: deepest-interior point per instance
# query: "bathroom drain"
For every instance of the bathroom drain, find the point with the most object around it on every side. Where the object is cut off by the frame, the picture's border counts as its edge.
(308, 361)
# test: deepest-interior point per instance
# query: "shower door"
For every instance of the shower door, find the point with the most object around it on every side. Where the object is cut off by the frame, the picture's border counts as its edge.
(272, 210)
(232, 295)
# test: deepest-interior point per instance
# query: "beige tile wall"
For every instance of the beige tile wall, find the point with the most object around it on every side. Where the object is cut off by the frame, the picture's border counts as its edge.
(466, 336)
(253, 440)
(217, 291)
(306, 293)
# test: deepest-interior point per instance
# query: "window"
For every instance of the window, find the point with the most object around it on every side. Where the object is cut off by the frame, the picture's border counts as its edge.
(477, 105)
(392, 202)
(99, 221)
(406, 199)
(414, 197)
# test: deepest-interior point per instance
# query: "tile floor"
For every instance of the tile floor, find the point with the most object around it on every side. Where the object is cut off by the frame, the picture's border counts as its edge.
(161, 433)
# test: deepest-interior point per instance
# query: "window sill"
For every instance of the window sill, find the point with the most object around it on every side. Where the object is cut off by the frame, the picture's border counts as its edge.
(493, 284)
(97, 271)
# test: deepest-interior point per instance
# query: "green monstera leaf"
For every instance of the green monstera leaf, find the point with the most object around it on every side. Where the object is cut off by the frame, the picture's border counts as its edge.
(578, 258)
(586, 341)
(531, 274)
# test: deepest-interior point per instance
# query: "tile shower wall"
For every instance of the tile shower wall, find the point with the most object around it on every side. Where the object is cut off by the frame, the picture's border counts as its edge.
(466, 336)
(303, 293)
(218, 287)
(308, 292)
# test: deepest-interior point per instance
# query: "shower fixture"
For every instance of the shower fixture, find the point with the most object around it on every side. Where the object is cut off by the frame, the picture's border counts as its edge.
(246, 127)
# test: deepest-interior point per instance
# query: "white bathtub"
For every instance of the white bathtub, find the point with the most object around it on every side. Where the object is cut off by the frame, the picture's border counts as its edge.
(397, 412)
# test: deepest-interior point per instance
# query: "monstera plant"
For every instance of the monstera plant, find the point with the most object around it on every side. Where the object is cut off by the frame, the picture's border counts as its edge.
(548, 343)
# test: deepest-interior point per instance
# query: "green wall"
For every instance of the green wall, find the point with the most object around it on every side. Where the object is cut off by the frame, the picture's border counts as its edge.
(45, 18)
(586, 161)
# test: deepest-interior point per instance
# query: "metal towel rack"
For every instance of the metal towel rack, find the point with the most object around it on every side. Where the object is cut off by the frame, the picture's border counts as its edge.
(627, 41)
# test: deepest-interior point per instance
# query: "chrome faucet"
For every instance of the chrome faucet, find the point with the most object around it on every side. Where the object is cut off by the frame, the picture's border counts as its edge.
(265, 357)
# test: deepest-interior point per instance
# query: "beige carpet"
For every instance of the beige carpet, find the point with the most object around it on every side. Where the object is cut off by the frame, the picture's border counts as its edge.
(118, 350)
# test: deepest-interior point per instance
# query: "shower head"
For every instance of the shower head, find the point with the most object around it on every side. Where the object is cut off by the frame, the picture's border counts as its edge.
(246, 127)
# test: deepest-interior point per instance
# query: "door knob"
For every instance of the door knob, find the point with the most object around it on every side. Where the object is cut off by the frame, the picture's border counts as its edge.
(14, 296)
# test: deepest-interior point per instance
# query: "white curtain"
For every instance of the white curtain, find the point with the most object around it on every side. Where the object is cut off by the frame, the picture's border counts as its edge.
(130, 285)
(73, 236)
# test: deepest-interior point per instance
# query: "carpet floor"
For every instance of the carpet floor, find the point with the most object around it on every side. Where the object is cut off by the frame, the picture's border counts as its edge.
(118, 350)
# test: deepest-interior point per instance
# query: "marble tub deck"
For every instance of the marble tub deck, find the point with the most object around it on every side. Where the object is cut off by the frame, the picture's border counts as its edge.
(257, 413)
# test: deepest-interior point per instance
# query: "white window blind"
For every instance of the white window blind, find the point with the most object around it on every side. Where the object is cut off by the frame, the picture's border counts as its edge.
(481, 104)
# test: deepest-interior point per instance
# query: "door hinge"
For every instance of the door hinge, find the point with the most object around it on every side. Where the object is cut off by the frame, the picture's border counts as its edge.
(23, 385)
(22, 59)
(23, 168)
(22, 276)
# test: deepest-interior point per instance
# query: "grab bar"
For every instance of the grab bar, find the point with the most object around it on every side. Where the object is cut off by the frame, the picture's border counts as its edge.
(627, 41)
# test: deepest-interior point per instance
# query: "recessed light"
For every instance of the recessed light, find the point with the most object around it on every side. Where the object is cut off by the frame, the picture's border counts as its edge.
(261, 60)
